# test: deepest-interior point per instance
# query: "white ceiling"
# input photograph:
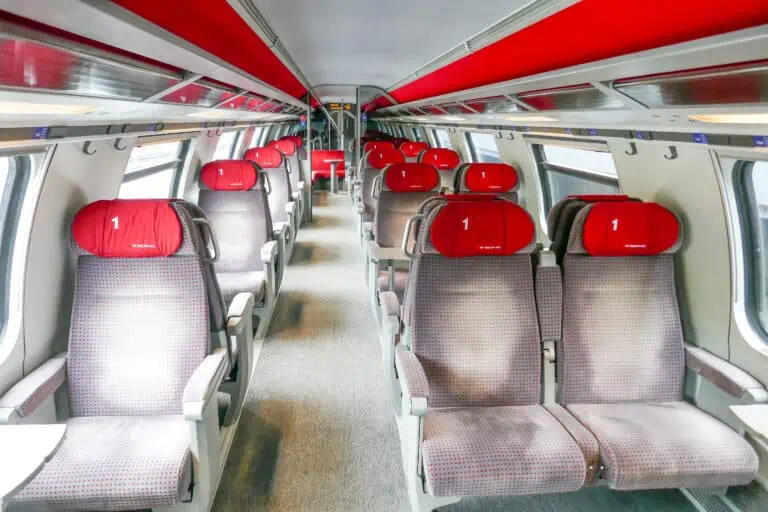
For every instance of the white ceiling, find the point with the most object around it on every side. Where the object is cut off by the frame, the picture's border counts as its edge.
(375, 42)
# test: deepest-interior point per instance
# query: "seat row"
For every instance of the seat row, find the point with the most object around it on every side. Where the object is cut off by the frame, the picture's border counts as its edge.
(519, 371)
(168, 295)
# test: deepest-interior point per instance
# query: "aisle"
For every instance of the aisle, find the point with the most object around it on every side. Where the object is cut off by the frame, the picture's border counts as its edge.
(317, 432)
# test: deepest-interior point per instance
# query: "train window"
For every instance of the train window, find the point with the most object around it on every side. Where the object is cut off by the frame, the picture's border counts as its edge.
(153, 170)
(442, 138)
(483, 147)
(568, 171)
(225, 149)
(752, 191)
(14, 176)
(417, 134)
(256, 137)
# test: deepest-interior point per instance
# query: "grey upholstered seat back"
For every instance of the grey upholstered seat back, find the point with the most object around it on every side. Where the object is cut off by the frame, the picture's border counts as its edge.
(294, 171)
(374, 163)
(392, 214)
(139, 330)
(622, 338)
(473, 324)
(271, 161)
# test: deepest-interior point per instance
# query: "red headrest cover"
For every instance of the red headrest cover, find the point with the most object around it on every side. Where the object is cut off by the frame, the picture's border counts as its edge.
(267, 158)
(481, 228)
(381, 157)
(377, 144)
(411, 177)
(498, 178)
(230, 175)
(442, 158)
(295, 139)
(413, 149)
(630, 228)
(286, 147)
(128, 228)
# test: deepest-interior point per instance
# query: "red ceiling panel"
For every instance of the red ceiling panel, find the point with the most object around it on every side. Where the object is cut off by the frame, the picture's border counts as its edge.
(588, 31)
(216, 28)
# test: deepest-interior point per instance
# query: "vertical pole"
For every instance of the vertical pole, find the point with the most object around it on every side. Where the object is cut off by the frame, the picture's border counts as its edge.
(308, 145)
(358, 129)
(334, 178)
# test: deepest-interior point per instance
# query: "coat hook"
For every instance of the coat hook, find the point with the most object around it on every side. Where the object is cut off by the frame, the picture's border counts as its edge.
(219, 133)
(87, 147)
(511, 136)
(500, 136)
(632, 149)
(117, 145)
(672, 153)
(210, 133)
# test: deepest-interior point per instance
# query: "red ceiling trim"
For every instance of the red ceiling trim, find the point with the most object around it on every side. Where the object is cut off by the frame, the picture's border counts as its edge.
(588, 31)
(214, 26)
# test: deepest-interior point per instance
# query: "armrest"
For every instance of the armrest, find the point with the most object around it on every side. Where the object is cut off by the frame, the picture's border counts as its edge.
(413, 381)
(378, 253)
(279, 230)
(290, 208)
(269, 252)
(238, 313)
(31, 391)
(390, 312)
(731, 379)
(203, 384)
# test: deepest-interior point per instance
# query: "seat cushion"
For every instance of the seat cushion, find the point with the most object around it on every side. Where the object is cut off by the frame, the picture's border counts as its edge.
(401, 278)
(326, 175)
(666, 445)
(115, 463)
(232, 283)
(497, 451)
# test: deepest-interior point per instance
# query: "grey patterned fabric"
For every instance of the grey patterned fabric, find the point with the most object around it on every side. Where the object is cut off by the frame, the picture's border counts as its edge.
(475, 330)
(368, 176)
(389, 304)
(294, 171)
(401, 280)
(549, 301)
(666, 445)
(499, 451)
(139, 330)
(583, 437)
(622, 339)
(115, 463)
(31, 391)
(233, 283)
(411, 374)
(243, 224)
(280, 193)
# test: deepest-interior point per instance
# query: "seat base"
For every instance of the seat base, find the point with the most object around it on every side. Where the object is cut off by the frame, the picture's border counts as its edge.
(401, 279)
(666, 445)
(115, 463)
(498, 451)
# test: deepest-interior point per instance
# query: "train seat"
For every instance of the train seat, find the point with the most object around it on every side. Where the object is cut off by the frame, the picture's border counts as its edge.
(138, 370)
(622, 358)
(469, 363)
(445, 160)
(487, 178)
(233, 195)
(321, 164)
(374, 163)
(399, 191)
(412, 150)
(282, 208)
(290, 152)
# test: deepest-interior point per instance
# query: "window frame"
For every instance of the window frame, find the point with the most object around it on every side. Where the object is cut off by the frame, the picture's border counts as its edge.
(544, 167)
(178, 165)
(473, 150)
(438, 144)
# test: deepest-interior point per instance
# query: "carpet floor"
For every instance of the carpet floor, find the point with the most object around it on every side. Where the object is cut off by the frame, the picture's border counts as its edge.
(317, 432)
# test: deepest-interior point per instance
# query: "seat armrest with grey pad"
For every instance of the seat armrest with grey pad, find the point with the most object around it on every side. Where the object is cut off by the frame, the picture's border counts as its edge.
(280, 231)
(413, 382)
(379, 254)
(202, 385)
(291, 212)
(30, 392)
(240, 308)
(729, 378)
(390, 312)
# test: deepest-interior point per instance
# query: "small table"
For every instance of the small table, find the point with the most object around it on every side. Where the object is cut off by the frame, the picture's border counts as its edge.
(24, 450)
(754, 417)
(334, 179)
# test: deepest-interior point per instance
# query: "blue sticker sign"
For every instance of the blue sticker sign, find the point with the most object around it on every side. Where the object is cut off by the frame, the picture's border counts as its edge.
(40, 133)
(700, 138)
(760, 140)
(569, 131)
(592, 132)
(364, 118)
(639, 135)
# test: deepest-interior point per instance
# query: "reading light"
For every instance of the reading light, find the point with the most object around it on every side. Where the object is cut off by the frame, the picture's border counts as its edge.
(730, 118)
(452, 118)
(211, 114)
(14, 107)
(531, 119)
